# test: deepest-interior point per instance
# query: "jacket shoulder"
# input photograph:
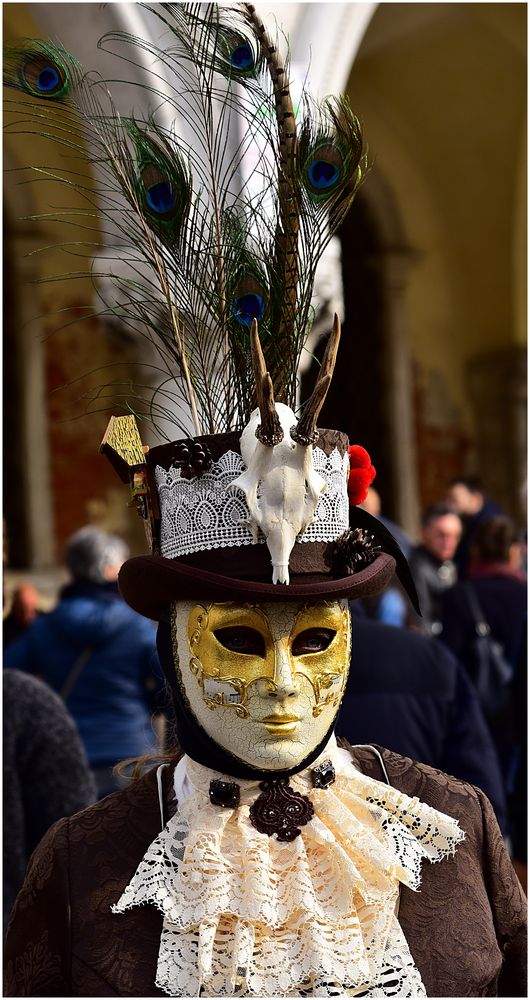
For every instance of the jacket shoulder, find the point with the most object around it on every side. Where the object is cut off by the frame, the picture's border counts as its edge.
(473, 903)
(449, 795)
(137, 805)
(80, 868)
(36, 951)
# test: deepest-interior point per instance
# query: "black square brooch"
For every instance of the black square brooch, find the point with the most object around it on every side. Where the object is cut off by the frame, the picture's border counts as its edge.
(323, 774)
(224, 793)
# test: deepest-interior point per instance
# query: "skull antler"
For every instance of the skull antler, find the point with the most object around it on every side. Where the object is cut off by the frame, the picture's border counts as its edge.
(305, 431)
(269, 431)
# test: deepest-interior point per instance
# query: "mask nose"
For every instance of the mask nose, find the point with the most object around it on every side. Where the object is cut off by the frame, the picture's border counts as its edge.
(284, 677)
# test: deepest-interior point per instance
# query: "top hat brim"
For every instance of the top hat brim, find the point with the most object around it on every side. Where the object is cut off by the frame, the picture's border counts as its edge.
(150, 583)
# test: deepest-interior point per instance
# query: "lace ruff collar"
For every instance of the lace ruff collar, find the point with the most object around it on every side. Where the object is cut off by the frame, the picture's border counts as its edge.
(248, 915)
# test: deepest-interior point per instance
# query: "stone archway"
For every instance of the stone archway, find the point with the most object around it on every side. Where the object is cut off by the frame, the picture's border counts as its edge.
(371, 394)
(430, 134)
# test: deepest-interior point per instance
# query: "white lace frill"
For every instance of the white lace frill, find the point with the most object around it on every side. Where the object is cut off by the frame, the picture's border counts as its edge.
(200, 513)
(248, 915)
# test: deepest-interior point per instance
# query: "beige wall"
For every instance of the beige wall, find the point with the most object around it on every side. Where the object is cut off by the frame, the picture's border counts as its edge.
(441, 89)
(23, 148)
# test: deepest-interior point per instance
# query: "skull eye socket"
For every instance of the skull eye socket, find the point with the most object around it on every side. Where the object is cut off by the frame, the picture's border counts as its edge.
(241, 639)
(313, 640)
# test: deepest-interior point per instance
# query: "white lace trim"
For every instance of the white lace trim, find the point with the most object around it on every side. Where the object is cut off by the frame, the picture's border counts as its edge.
(247, 914)
(200, 513)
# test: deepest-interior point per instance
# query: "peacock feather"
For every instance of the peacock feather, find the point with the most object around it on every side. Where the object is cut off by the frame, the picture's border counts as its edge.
(40, 69)
(210, 246)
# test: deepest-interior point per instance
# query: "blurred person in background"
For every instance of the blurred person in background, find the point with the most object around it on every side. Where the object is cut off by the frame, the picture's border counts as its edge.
(98, 655)
(431, 563)
(389, 606)
(499, 585)
(373, 505)
(499, 589)
(45, 773)
(409, 694)
(466, 497)
(24, 611)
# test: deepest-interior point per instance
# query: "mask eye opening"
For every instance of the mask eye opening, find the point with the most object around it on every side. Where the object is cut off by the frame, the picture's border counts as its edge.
(241, 639)
(313, 640)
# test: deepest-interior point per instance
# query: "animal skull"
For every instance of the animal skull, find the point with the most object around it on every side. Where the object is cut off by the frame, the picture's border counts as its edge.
(290, 488)
(280, 482)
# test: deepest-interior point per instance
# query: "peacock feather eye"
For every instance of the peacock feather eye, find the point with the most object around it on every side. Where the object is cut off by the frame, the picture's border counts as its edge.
(323, 171)
(323, 174)
(239, 54)
(248, 306)
(44, 78)
(161, 182)
(160, 194)
(242, 57)
(33, 66)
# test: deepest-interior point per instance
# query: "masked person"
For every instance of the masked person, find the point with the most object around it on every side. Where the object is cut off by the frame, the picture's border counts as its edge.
(260, 858)
(264, 859)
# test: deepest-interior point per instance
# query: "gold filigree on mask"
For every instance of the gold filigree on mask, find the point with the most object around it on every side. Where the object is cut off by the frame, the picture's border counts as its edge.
(225, 675)
(283, 687)
(322, 683)
(325, 670)
(218, 688)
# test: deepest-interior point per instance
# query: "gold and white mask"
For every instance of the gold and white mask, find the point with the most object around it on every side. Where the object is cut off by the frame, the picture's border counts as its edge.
(264, 681)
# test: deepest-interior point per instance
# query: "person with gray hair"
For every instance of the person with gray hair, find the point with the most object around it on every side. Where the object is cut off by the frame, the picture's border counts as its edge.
(98, 655)
(94, 555)
(432, 564)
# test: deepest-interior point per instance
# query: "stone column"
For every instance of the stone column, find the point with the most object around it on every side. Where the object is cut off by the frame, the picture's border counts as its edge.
(36, 499)
(393, 266)
(497, 387)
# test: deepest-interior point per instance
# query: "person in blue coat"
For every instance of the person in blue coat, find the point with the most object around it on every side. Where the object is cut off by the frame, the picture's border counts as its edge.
(408, 693)
(98, 654)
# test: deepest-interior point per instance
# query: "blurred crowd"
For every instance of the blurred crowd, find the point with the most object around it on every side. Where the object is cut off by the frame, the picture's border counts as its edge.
(450, 689)
(83, 689)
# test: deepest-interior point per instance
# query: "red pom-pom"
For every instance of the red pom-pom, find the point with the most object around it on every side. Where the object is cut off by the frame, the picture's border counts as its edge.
(359, 457)
(362, 473)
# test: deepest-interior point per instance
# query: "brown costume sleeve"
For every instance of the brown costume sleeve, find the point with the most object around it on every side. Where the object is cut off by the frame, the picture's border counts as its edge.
(37, 948)
(508, 906)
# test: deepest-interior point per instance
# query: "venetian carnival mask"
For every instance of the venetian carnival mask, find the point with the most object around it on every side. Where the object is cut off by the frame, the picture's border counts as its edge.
(264, 680)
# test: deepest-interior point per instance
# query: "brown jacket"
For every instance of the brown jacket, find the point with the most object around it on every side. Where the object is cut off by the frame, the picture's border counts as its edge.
(465, 928)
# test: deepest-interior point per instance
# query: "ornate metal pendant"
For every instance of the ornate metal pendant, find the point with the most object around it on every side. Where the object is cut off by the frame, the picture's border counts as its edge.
(323, 774)
(280, 810)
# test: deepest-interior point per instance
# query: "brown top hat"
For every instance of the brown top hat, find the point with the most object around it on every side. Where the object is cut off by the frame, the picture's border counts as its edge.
(197, 521)
(220, 509)
(149, 583)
